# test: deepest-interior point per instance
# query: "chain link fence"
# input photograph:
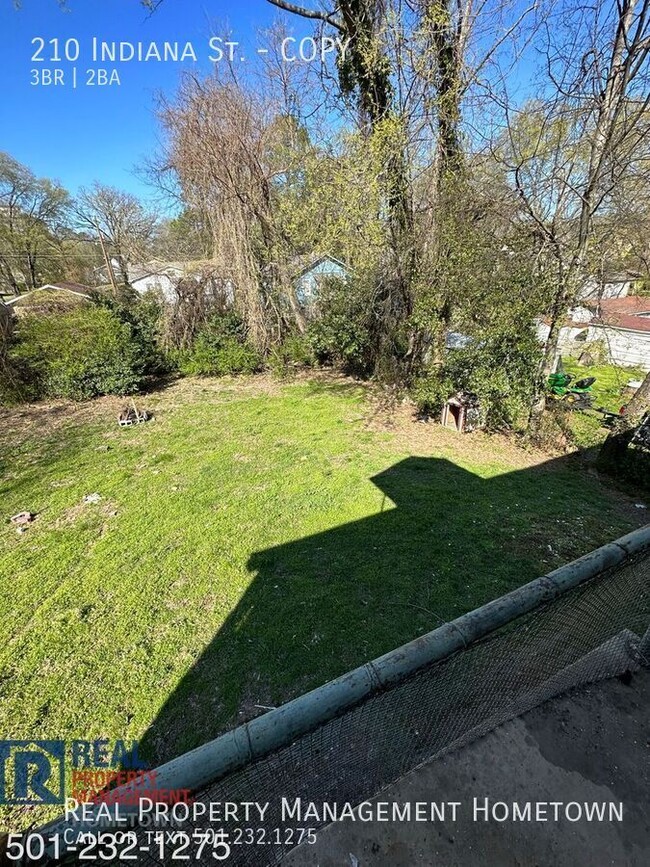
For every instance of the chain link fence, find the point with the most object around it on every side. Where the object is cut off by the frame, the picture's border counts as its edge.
(587, 634)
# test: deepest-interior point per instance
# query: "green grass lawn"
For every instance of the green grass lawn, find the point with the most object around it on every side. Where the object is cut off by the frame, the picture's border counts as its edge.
(251, 542)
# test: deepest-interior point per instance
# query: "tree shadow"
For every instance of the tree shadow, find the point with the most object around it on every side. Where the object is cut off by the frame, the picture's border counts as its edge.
(444, 541)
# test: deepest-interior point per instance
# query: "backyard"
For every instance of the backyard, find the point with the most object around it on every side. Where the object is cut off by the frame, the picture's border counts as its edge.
(253, 540)
(609, 393)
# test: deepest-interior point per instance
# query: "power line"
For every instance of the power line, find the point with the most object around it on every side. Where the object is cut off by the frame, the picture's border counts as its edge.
(38, 255)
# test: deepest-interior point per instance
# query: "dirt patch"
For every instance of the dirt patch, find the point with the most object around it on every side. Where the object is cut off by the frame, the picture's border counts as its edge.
(384, 412)
(256, 700)
(104, 509)
(189, 390)
(427, 437)
(398, 419)
(43, 419)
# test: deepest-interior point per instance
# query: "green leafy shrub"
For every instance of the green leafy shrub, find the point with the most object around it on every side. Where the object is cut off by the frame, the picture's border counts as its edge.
(293, 353)
(499, 367)
(430, 392)
(230, 357)
(12, 385)
(220, 349)
(342, 332)
(143, 314)
(78, 354)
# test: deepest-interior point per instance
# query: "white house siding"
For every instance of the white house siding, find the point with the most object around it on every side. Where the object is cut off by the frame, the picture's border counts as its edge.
(162, 283)
(573, 339)
(627, 348)
(542, 330)
(567, 338)
(614, 289)
(580, 314)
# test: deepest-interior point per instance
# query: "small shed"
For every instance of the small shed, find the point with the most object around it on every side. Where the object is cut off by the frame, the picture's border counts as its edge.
(462, 412)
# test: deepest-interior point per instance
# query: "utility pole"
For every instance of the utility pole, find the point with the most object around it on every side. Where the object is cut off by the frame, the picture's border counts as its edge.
(109, 266)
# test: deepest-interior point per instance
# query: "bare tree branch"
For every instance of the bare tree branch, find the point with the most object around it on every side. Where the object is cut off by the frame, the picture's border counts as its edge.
(314, 14)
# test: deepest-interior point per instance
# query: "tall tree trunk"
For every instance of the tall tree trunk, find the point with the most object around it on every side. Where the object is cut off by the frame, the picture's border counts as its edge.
(445, 41)
(31, 271)
(276, 260)
(124, 270)
(366, 71)
(549, 357)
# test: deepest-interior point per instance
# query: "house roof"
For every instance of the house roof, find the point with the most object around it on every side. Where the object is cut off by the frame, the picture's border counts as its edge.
(137, 274)
(72, 288)
(157, 268)
(629, 323)
(304, 265)
(616, 277)
(633, 305)
(632, 312)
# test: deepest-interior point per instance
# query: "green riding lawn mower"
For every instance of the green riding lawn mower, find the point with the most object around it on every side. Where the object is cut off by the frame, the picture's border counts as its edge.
(576, 394)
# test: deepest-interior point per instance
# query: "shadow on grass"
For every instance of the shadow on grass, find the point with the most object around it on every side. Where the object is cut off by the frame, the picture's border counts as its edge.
(330, 382)
(444, 542)
(156, 384)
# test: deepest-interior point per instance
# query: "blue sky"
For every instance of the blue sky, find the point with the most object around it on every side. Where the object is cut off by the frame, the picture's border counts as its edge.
(78, 135)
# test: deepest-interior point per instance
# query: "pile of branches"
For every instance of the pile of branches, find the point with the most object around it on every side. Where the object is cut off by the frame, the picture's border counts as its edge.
(195, 300)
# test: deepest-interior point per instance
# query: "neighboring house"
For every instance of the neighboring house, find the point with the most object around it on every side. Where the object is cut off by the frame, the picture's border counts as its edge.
(620, 324)
(151, 276)
(623, 324)
(310, 277)
(157, 277)
(102, 277)
(48, 297)
(610, 285)
(163, 277)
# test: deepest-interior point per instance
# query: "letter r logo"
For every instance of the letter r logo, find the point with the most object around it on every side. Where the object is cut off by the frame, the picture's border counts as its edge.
(32, 772)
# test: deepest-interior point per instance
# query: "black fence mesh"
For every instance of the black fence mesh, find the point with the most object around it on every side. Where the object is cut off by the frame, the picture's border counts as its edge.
(586, 635)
